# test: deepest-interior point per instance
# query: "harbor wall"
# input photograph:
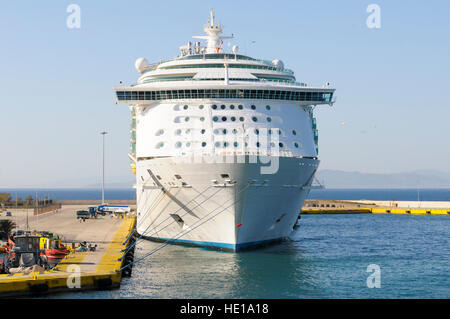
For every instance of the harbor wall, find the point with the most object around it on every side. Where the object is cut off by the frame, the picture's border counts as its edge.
(88, 202)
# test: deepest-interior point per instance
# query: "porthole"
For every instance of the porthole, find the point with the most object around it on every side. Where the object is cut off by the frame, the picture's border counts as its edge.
(254, 119)
(216, 131)
(279, 132)
(215, 118)
(268, 107)
(202, 119)
(185, 107)
(231, 107)
(257, 144)
(202, 131)
(233, 118)
(225, 144)
(201, 107)
(253, 107)
(188, 144)
(217, 144)
(234, 131)
(256, 131)
(224, 118)
(160, 145)
(294, 132)
(178, 132)
(280, 144)
(224, 131)
(203, 144)
(269, 119)
(240, 107)
(214, 107)
(222, 107)
(178, 144)
(241, 119)
(272, 144)
(236, 144)
(270, 131)
(159, 132)
(296, 145)
(186, 119)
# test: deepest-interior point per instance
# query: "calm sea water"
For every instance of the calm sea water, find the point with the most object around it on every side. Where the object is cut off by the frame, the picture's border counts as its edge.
(327, 258)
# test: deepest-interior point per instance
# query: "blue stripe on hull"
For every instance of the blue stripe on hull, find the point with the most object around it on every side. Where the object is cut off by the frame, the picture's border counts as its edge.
(219, 246)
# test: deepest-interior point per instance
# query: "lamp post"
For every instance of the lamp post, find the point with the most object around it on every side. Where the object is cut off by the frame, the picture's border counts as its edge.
(103, 168)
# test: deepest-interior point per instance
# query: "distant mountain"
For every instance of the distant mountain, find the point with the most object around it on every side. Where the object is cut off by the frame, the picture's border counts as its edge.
(414, 179)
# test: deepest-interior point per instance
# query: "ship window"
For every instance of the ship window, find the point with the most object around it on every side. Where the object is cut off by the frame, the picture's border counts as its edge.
(160, 132)
(234, 131)
(225, 144)
(296, 144)
(177, 176)
(270, 131)
(178, 132)
(240, 107)
(224, 118)
(178, 144)
(269, 119)
(217, 144)
(159, 145)
(216, 131)
(188, 144)
(185, 107)
(294, 132)
(215, 118)
(202, 119)
(235, 144)
(233, 118)
(203, 144)
(222, 107)
(214, 107)
(257, 144)
(202, 131)
(224, 131)
(159, 177)
(186, 118)
(224, 175)
(232, 107)
(241, 119)
(268, 107)
(254, 119)
(253, 107)
(256, 131)
(280, 144)
(201, 107)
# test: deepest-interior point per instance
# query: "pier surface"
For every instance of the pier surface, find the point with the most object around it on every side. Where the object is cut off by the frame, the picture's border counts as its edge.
(79, 270)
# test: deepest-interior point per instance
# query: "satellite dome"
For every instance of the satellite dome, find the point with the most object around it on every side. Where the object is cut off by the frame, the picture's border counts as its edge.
(235, 49)
(278, 64)
(141, 65)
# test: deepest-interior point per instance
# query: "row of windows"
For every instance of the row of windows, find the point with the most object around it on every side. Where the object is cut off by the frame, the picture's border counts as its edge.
(226, 144)
(219, 65)
(224, 94)
(223, 131)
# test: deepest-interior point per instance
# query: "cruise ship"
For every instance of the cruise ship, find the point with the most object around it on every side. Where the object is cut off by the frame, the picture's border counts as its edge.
(224, 146)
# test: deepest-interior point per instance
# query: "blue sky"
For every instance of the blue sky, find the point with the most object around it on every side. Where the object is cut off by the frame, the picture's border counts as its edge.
(391, 115)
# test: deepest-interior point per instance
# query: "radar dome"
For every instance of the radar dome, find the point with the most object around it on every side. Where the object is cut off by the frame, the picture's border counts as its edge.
(235, 49)
(141, 65)
(278, 64)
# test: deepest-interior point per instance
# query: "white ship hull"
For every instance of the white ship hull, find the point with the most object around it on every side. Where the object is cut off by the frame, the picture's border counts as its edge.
(249, 210)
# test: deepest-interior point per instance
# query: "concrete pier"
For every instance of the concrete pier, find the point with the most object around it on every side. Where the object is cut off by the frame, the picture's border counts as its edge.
(79, 270)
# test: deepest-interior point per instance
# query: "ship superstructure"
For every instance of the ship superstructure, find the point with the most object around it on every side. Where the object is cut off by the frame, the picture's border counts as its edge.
(224, 146)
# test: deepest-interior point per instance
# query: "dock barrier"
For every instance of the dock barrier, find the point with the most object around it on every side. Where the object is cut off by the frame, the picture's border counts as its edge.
(378, 210)
(65, 278)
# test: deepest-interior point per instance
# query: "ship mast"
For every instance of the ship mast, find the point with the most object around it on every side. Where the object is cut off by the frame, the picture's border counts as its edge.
(213, 36)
